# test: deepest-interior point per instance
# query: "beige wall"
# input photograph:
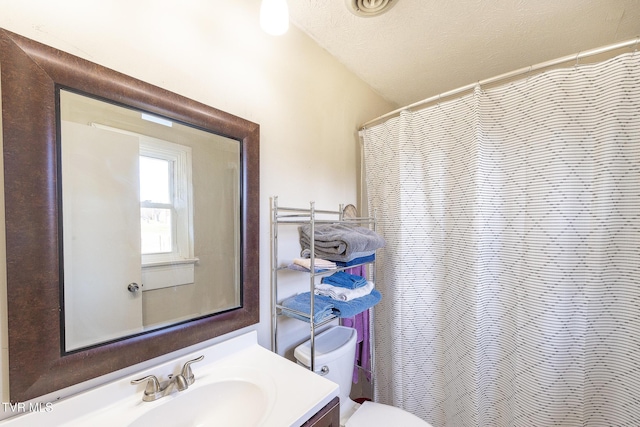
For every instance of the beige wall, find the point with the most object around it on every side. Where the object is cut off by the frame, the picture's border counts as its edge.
(307, 104)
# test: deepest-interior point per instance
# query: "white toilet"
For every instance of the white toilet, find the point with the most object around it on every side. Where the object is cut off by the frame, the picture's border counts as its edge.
(335, 351)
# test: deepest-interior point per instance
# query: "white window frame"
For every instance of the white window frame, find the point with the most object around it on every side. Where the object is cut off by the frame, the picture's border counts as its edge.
(151, 153)
(181, 204)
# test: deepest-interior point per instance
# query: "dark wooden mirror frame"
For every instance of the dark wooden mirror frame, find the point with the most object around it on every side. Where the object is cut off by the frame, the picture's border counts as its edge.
(30, 74)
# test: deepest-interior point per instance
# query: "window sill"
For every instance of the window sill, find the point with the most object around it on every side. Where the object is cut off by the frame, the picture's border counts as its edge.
(169, 262)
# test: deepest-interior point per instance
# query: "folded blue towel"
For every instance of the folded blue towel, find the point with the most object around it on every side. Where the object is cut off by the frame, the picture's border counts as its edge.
(357, 261)
(302, 302)
(327, 306)
(343, 279)
(353, 307)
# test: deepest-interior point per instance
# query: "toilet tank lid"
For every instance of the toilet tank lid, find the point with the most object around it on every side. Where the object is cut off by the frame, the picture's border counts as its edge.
(329, 345)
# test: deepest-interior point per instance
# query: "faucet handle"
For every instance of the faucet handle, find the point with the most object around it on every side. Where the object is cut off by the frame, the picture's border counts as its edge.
(186, 370)
(152, 389)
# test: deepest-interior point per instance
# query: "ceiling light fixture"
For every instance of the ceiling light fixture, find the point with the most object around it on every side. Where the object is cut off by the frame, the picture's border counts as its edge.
(274, 17)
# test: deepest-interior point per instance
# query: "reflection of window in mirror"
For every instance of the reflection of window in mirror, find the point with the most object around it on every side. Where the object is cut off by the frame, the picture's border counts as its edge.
(165, 201)
(157, 228)
(166, 211)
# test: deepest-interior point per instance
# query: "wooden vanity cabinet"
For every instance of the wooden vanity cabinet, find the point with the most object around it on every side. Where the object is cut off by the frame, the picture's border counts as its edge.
(329, 416)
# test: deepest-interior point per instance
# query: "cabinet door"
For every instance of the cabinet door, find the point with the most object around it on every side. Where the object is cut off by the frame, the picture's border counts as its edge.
(329, 416)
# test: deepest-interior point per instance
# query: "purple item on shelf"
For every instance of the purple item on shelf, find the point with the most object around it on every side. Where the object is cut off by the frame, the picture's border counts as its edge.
(360, 322)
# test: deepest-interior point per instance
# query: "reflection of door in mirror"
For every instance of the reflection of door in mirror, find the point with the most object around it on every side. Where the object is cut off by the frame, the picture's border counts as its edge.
(145, 202)
(100, 197)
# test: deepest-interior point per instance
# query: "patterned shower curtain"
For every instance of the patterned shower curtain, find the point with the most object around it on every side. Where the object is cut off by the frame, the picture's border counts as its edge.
(511, 274)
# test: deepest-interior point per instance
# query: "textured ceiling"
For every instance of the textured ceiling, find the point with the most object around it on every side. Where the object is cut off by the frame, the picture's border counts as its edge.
(421, 48)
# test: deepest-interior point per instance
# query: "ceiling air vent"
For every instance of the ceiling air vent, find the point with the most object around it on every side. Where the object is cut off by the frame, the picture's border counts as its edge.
(366, 8)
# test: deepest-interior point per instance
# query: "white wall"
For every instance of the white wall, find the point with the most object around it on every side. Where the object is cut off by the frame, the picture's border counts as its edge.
(307, 104)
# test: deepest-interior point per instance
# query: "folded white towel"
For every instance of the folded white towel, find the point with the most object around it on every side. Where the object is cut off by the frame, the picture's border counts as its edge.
(319, 263)
(343, 294)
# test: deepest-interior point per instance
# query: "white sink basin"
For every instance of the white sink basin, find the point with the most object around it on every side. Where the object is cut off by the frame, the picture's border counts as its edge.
(237, 384)
(226, 403)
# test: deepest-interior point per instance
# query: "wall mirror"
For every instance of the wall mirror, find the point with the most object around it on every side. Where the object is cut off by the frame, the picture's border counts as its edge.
(150, 221)
(132, 219)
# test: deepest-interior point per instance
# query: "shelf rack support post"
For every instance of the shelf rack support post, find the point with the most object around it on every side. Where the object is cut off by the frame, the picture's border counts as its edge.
(274, 273)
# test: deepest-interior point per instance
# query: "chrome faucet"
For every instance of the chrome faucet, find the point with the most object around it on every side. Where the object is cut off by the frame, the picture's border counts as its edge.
(156, 389)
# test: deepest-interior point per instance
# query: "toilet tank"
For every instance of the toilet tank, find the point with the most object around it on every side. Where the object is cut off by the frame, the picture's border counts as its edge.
(334, 349)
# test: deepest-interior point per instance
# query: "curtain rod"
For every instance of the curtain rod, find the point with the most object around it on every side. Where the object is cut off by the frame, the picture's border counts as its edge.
(525, 70)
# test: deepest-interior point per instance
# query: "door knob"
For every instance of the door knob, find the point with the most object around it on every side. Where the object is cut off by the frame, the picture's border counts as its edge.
(133, 287)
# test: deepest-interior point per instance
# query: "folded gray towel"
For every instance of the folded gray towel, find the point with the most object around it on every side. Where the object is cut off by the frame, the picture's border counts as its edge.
(340, 242)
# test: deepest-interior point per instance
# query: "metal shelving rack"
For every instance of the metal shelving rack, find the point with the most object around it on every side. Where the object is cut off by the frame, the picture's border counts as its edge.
(286, 216)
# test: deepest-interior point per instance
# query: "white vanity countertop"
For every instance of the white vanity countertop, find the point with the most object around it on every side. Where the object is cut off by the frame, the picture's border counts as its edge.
(293, 393)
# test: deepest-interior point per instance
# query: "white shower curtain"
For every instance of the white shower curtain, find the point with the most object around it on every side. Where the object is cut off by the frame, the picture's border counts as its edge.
(511, 274)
